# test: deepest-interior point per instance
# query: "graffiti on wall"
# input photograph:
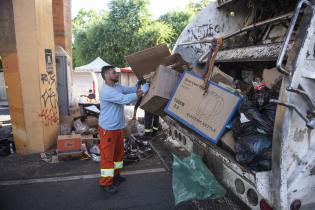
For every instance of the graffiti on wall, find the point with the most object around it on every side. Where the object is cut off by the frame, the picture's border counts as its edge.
(49, 112)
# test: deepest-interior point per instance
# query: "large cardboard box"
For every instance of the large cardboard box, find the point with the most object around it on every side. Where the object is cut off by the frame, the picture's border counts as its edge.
(207, 114)
(146, 61)
(162, 86)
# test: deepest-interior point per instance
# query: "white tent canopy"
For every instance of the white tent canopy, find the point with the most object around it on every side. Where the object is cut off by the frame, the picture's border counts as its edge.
(94, 66)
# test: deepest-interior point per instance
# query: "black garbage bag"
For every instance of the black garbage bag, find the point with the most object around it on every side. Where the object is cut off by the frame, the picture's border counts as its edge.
(254, 134)
(252, 148)
(4, 147)
(261, 117)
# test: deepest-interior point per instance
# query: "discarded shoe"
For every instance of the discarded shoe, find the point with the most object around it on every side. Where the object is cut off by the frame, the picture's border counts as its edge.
(118, 179)
(111, 189)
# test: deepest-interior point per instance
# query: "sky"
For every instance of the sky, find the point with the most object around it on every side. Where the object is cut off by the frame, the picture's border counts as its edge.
(156, 7)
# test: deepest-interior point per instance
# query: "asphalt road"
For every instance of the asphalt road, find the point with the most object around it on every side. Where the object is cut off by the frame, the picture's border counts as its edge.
(142, 191)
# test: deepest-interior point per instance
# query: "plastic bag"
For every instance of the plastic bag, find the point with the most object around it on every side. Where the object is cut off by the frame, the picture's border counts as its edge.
(252, 147)
(80, 127)
(192, 180)
(254, 134)
(260, 117)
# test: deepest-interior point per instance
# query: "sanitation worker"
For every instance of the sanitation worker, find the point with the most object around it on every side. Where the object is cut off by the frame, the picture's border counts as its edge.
(113, 97)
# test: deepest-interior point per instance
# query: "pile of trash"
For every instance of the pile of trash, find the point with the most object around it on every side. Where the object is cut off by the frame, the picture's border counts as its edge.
(136, 150)
(81, 131)
(253, 127)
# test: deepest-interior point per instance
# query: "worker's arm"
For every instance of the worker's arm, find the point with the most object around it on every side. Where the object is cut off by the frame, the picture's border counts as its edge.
(128, 90)
(119, 98)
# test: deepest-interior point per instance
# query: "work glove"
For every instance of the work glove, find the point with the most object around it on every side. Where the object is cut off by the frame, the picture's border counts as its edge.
(145, 87)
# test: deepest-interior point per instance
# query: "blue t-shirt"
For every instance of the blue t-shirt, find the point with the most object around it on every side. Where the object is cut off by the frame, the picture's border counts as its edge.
(113, 99)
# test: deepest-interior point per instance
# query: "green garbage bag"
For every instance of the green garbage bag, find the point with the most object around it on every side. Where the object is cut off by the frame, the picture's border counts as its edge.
(192, 180)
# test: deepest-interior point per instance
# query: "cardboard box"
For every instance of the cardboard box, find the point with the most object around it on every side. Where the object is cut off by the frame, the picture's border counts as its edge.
(69, 143)
(228, 141)
(205, 114)
(147, 60)
(271, 77)
(220, 76)
(162, 86)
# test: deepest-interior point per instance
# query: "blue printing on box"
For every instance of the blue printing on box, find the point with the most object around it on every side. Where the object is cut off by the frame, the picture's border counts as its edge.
(215, 141)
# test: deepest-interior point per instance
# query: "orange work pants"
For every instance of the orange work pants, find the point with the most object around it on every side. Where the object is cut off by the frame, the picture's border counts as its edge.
(112, 154)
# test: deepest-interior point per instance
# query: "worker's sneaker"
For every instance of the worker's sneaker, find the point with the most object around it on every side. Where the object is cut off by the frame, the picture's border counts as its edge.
(118, 179)
(111, 189)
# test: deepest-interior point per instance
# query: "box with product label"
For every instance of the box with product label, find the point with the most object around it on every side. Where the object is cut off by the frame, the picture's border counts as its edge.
(207, 114)
(69, 143)
(162, 86)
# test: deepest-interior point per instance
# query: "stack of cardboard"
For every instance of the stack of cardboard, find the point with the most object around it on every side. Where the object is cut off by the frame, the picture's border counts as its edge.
(154, 62)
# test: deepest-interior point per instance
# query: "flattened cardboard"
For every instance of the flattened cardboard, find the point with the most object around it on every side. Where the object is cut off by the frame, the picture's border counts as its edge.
(162, 86)
(206, 114)
(146, 61)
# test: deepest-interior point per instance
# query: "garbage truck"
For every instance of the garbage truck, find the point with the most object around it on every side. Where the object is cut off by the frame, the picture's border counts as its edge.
(259, 35)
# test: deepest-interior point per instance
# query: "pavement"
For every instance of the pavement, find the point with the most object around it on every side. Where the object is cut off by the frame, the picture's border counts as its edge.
(28, 182)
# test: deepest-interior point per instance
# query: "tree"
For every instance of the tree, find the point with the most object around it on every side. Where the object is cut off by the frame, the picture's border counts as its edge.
(84, 20)
(177, 20)
(127, 28)
(196, 5)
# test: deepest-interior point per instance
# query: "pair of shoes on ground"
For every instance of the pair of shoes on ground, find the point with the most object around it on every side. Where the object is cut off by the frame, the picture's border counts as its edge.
(112, 189)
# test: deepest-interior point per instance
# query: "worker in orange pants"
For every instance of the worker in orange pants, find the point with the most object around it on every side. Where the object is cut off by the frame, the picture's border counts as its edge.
(112, 156)
(111, 122)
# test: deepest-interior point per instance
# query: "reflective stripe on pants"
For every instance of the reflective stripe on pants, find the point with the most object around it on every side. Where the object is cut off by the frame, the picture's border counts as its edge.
(107, 172)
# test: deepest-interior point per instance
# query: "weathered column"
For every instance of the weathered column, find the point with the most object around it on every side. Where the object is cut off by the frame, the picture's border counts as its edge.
(27, 49)
(62, 24)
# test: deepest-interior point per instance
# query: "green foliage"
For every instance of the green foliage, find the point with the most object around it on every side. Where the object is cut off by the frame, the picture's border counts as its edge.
(126, 28)
(196, 5)
(177, 20)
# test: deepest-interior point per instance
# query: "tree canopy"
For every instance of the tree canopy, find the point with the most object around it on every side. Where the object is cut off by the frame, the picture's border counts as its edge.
(126, 28)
